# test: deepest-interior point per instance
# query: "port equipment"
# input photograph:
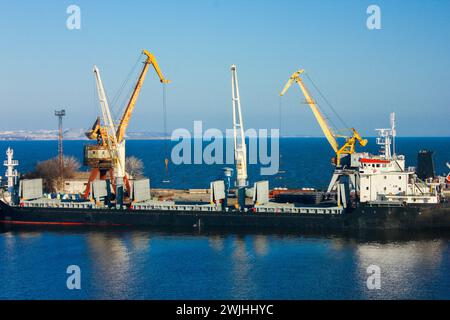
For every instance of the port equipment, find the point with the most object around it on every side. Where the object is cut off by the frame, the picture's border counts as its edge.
(227, 174)
(60, 114)
(448, 176)
(348, 147)
(240, 147)
(109, 153)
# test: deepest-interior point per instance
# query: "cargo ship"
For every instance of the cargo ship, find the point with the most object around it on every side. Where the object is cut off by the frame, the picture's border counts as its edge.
(365, 192)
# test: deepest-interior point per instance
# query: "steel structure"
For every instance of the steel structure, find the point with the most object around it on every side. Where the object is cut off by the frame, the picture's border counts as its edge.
(349, 146)
(60, 114)
(109, 154)
(240, 146)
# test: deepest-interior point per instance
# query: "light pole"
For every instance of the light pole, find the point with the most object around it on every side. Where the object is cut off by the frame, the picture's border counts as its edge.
(60, 114)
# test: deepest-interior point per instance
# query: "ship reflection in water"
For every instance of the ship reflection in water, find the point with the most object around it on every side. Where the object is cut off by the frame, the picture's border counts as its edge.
(120, 264)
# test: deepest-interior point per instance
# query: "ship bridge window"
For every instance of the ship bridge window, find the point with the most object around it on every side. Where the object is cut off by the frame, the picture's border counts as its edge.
(378, 165)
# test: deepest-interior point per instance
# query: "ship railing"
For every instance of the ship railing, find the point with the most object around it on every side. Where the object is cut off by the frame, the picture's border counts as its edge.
(385, 204)
(62, 205)
(177, 207)
(296, 210)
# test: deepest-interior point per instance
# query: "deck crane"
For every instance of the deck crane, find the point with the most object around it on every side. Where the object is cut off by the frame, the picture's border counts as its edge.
(348, 147)
(240, 147)
(105, 156)
(109, 154)
(343, 176)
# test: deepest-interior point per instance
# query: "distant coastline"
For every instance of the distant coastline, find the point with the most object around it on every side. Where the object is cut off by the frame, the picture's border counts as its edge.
(69, 134)
(78, 134)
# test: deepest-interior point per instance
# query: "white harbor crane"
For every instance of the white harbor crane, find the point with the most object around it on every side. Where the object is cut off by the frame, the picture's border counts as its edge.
(240, 146)
(117, 151)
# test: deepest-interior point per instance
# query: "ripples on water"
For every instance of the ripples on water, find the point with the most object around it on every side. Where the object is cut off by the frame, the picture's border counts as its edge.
(138, 264)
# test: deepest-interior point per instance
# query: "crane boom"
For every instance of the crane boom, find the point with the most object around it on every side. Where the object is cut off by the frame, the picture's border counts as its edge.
(349, 145)
(106, 113)
(119, 163)
(109, 154)
(151, 60)
(240, 147)
(329, 134)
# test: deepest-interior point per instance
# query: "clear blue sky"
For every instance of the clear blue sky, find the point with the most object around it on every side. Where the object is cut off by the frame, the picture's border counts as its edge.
(404, 67)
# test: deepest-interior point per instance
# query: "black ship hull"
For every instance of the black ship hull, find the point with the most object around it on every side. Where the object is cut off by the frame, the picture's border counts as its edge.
(361, 218)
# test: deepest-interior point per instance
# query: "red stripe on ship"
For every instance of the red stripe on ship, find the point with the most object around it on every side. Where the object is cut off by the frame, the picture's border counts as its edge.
(365, 160)
(59, 223)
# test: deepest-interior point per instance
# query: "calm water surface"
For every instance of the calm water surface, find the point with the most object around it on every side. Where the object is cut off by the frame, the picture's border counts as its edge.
(118, 264)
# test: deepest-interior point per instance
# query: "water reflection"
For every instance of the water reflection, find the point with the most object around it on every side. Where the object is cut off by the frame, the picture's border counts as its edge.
(241, 264)
(260, 244)
(402, 266)
(112, 262)
(216, 242)
(134, 264)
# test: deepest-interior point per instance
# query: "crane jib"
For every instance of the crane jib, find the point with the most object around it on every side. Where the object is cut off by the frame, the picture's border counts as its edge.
(349, 145)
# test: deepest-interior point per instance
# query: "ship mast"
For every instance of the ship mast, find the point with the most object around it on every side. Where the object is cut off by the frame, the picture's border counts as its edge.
(386, 139)
(393, 133)
(11, 173)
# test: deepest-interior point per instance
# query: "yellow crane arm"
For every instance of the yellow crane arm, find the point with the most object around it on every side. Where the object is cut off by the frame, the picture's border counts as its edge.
(362, 142)
(319, 117)
(94, 133)
(151, 60)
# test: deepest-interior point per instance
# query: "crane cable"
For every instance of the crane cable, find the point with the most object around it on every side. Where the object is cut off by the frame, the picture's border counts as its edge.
(328, 103)
(279, 114)
(119, 110)
(280, 120)
(166, 160)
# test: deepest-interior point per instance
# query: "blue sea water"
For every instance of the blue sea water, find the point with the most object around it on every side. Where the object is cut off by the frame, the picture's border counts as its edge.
(306, 162)
(146, 264)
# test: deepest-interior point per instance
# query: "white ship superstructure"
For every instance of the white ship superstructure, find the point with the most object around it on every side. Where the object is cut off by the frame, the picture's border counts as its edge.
(383, 177)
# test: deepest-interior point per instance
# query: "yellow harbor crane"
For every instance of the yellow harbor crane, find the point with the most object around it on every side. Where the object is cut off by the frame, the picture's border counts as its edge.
(349, 146)
(109, 153)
